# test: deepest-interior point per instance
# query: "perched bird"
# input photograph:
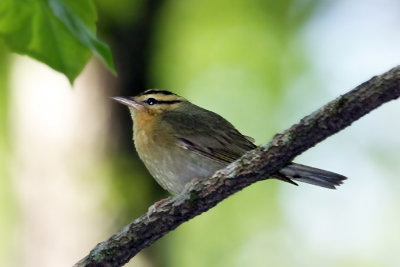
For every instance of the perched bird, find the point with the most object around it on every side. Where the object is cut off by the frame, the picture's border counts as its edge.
(179, 141)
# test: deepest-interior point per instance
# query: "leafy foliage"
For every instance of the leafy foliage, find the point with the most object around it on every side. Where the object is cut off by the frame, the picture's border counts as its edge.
(57, 32)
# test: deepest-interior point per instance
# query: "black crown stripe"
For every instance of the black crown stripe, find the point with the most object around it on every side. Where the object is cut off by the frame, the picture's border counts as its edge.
(155, 91)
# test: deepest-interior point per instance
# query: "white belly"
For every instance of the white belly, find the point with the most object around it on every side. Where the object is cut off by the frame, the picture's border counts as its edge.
(174, 168)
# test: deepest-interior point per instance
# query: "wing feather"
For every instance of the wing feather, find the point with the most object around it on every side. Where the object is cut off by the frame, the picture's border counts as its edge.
(207, 134)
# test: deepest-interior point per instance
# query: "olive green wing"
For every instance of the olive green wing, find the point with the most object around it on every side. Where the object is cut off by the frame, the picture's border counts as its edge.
(208, 134)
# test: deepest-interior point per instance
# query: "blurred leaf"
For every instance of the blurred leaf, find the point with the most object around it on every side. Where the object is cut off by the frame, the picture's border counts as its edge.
(58, 33)
(120, 12)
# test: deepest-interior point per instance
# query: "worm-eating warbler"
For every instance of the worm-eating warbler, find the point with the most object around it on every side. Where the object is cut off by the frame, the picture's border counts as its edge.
(179, 141)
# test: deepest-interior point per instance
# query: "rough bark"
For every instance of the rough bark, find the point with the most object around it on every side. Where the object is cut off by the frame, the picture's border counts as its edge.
(254, 166)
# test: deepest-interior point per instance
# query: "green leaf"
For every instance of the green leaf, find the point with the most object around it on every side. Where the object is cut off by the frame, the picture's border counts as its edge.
(81, 32)
(56, 32)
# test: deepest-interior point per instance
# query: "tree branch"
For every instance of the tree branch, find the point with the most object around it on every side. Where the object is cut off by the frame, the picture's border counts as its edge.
(254, 166)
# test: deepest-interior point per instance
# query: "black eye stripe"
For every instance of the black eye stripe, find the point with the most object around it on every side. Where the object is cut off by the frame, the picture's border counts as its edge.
(169, 102)
(153, 101)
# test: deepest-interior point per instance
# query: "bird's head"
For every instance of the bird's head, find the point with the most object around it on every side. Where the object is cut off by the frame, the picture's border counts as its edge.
(152, 102)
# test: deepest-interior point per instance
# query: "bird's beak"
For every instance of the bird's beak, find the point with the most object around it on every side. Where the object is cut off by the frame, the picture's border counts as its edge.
(128, 102)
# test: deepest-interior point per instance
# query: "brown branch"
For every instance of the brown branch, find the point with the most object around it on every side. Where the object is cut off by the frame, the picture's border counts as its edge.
(254, 166)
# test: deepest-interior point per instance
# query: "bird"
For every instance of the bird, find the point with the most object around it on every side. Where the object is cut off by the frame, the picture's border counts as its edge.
(179, 141)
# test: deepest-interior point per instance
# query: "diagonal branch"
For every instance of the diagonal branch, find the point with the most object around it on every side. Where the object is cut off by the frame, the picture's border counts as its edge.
(254, 166)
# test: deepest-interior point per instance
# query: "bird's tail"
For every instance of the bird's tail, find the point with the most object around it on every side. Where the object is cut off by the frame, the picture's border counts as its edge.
(306, 174)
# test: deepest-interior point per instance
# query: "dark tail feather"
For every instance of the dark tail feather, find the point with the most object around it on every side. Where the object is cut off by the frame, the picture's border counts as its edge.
(310, 175)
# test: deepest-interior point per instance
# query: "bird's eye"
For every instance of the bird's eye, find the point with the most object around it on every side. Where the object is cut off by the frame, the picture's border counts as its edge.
(151, 101)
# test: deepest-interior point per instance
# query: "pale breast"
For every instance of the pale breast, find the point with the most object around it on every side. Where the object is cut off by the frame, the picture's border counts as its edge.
(171, 165)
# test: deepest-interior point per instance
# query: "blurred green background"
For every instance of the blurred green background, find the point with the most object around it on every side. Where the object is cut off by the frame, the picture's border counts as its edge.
(70, 176)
